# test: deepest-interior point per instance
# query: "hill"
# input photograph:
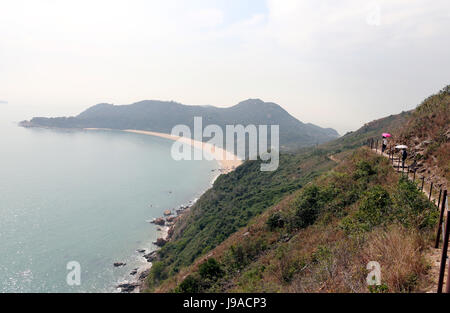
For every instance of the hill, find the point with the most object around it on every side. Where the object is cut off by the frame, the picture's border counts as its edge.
(161, 116)
(238, 197)
(311, 226)
(321, 238)
(427, 134)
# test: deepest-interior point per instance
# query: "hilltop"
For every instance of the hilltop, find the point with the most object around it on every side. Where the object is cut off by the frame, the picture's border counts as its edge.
(162, 116)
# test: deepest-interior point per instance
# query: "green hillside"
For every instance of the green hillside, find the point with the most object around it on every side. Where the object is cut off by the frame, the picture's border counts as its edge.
(321, 238)
(312, 225)
(161, 116)
(236, 198)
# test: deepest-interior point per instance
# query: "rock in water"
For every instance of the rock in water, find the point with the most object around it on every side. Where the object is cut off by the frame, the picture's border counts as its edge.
(127, 287)
(167, 212)
(118, 264)
(159, 221)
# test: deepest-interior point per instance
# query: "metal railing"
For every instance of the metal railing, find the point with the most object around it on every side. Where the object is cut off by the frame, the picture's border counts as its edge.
(440, 200)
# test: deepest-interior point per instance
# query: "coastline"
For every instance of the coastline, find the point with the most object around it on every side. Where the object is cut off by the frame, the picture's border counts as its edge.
(227, 161)
(135, 281)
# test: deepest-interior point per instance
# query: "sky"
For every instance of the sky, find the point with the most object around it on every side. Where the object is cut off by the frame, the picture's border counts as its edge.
(333, 63)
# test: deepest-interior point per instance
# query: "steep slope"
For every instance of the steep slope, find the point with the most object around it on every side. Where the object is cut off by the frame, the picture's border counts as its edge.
(321, 238)
(162, 116)
(318, 236)
(238, 197)
(427, 134)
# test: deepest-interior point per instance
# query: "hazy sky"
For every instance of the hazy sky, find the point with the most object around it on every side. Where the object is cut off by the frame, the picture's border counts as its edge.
(333, 63)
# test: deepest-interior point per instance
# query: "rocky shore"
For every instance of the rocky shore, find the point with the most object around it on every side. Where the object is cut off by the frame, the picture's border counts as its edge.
(166, 224)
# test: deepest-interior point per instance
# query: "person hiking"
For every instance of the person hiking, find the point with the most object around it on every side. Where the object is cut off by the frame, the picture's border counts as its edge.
(404, 156)
(383, 147)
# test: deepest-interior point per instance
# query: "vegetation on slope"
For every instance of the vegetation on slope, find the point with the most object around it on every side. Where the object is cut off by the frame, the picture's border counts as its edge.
(268, 232)
(234, 200)
(321, 238)
(162, 116)
(238, 197)
(427, 133)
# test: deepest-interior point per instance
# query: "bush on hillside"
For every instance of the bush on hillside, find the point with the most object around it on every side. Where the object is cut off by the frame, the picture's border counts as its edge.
(275, 221)
(190, 284)
(210, 269)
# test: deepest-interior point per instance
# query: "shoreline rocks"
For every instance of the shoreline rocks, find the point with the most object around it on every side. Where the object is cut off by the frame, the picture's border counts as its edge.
(144, 274)
(159, 221)
(119, 264)
(160, 242)
(128, 287)
(167, 213)
(150, 257)
(168, 221)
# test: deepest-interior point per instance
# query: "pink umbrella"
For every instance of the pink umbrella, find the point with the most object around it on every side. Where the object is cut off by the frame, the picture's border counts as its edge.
(387, 135)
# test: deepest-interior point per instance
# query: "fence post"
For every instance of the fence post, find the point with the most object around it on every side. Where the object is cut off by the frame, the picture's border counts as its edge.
(371, 144)
(441, 217)
(439, 200)
(423, 182)
(444, 253)
(447, 289)
(431, 190)
(414, 177)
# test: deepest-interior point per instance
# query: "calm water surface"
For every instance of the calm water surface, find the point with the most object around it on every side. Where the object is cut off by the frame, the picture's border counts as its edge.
(86, 197)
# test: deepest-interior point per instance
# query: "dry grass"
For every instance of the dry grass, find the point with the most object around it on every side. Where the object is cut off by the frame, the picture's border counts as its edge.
(322, 257)
(400, 254)
(431, 122)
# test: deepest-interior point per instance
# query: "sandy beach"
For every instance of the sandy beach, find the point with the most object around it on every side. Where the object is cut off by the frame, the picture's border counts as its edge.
(227, 160)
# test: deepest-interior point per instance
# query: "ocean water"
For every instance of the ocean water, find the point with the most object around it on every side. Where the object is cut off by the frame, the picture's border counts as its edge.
(84, 196)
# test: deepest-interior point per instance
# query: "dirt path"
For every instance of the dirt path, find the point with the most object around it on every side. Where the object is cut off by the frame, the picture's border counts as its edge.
(333, 158)
(432, 255)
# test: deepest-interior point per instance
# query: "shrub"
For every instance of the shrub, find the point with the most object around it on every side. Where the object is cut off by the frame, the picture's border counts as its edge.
(363, 169)
(241, 255)
(383, 288)
(307, 207)
(375, 206)
(157, 271)
(210, 269)
(275, 221)
(412, 208)
(189, 285)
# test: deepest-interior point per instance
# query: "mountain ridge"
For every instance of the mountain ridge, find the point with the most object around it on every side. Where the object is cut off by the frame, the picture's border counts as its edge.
(161, 116)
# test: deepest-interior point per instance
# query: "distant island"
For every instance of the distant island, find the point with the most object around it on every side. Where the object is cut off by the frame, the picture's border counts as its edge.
(161, 116)
(3, 102)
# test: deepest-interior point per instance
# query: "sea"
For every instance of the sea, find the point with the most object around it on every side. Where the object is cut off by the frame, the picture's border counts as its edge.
(85, 197)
